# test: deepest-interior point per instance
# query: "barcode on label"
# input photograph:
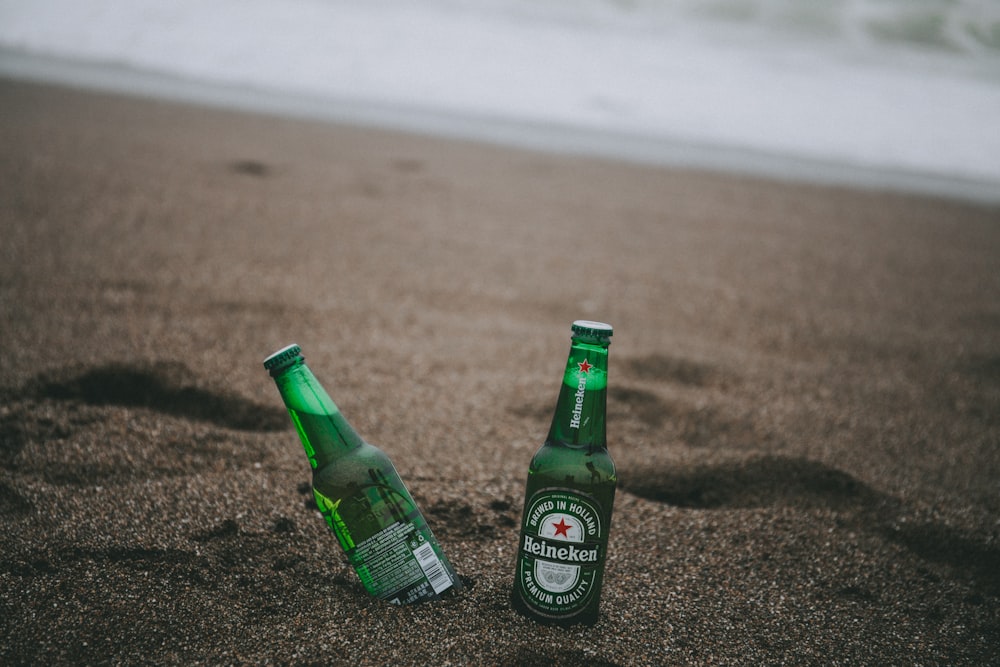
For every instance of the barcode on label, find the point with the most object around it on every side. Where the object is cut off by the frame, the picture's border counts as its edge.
(432, 567)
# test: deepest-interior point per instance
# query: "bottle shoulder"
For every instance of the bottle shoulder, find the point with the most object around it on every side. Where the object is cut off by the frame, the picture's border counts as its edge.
(353, 465)
(584, 465)
(555, 451)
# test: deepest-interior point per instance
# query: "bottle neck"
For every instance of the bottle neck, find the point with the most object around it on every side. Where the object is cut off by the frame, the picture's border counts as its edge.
(581, 410)
(324, 432)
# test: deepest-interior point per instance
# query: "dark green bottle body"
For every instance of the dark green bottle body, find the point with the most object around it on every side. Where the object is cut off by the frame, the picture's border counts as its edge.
(569, 495)
(360, 494)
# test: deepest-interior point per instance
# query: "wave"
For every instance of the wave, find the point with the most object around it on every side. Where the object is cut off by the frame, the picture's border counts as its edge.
(908, 86)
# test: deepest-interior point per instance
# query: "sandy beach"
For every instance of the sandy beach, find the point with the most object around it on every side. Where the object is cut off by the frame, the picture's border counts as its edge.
(804, 397)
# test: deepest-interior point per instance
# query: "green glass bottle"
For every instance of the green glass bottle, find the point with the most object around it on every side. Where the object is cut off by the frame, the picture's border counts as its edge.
(360, 494)
(569, 494)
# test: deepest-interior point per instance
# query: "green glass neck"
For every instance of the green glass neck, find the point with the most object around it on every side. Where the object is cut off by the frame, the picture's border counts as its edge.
(324, 432)
(582, 406)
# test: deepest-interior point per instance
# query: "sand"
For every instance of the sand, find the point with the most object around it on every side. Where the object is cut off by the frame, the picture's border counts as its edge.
(804, 402)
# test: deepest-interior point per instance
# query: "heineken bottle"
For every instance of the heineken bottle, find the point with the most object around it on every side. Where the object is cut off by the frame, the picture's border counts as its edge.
(360, 494)
(569, 494)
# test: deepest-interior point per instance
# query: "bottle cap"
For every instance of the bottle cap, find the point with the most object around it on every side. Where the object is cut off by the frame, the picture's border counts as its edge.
(283, 357)
(592, 329)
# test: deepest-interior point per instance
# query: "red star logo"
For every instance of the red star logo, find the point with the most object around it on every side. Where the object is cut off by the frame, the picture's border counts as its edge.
(585, 366)
(562, 528)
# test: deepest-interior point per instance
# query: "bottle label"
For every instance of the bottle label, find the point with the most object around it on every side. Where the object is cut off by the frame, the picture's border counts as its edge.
(561, 553)
(399, 564)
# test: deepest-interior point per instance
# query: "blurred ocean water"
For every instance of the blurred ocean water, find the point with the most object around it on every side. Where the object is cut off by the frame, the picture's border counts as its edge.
(906, 91)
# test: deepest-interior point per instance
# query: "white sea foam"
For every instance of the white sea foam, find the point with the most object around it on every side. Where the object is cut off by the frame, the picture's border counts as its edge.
(895, 92)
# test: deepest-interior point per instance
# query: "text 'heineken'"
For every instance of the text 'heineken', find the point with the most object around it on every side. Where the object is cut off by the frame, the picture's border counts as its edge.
(360, 494)
(570, 491)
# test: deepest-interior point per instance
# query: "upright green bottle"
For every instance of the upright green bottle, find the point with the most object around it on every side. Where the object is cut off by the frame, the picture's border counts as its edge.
(360, 494)
(569, 494)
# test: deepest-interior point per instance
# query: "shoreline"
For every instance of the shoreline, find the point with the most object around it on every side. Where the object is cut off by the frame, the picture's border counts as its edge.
(561, 140)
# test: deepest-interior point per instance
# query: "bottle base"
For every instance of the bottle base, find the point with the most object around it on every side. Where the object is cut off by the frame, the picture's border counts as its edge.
(587, 617)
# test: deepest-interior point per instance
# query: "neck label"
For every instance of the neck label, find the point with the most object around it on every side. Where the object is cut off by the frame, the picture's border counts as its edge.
(581, 392)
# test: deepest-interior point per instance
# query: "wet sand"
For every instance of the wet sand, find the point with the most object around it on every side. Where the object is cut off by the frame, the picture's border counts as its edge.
(804, 402)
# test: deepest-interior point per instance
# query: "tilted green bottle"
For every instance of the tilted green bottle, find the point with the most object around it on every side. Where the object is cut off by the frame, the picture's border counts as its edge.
(569, 494)
(360, 494)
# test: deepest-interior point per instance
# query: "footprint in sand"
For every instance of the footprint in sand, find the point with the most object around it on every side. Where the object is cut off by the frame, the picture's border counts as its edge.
(797, 482)
(772, 481)
(757, 482)
(166, 387)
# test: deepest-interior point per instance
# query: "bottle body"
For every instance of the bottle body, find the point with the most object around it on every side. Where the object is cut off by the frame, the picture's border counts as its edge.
(569, 495)
(361, 496)
(564, 535)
